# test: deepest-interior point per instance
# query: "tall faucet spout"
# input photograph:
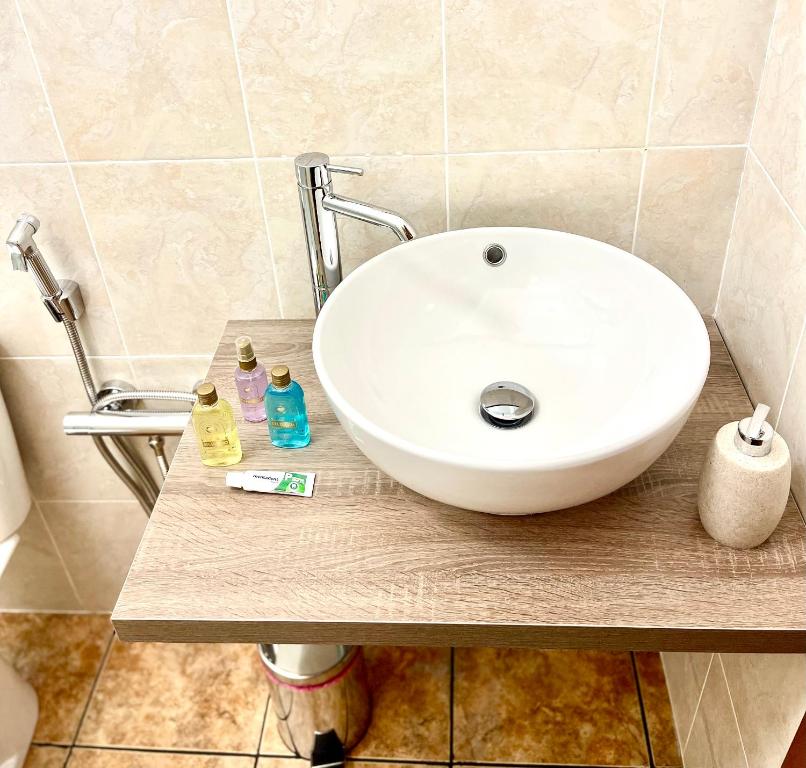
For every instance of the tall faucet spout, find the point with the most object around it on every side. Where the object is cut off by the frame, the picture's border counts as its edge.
(319, 206)
(371, 214)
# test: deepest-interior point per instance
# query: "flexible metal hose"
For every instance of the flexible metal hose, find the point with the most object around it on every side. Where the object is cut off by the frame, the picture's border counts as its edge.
(81, 360)
(143, 394)
(146, 494)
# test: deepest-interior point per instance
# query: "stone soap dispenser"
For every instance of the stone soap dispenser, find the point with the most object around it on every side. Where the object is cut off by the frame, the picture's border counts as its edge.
(744, 485)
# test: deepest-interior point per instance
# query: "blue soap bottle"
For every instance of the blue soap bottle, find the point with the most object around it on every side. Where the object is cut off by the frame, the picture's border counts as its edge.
(285, 411)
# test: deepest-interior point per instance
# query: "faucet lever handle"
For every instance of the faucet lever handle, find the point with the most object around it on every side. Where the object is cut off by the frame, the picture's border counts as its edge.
(345, 169)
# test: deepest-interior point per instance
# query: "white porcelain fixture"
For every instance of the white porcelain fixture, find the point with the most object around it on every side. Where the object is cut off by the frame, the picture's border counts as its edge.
(613, 351)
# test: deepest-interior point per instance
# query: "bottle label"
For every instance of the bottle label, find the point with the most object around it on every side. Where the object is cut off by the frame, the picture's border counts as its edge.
(283, 424)
(223, 443)
(252, 400)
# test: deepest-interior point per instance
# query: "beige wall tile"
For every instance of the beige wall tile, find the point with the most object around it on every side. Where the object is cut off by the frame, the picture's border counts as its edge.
(685, 675)
(413, 186)
(549, 75)
(792, 425)
(35, 578)
(38, 392)
(28, 132)
(711, 58)
(176, 372)
(97, 541)
(763, 297)
(343, 76)
(769, 696)
(715, 741)
(153, 79)
(779, 130)
(184, 249)
(586, 193)
(27, 328)
(686, 212)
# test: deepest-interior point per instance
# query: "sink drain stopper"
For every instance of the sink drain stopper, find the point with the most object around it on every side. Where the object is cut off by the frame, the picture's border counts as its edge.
(506, 404)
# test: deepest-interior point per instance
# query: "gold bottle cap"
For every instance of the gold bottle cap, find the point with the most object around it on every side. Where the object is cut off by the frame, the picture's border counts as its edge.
(280, 376)
(246, 355)
(207, 394)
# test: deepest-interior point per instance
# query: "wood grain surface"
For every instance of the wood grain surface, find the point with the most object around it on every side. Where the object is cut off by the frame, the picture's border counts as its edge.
(368, 561)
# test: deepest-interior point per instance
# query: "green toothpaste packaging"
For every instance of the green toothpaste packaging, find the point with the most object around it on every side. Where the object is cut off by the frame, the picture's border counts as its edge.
(273, 481)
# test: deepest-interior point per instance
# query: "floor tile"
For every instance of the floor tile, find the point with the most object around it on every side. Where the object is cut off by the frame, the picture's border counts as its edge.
(657, 711)
(532, 706)
(296, 762)
(113, 758)
(45, 757)
(59, 654)
(410, 706)
(178, 696)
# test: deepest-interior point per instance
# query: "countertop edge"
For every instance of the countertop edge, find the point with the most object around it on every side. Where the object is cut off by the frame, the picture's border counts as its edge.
(732, 640)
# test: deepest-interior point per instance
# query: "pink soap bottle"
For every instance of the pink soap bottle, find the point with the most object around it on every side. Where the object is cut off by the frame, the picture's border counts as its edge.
(250, 381)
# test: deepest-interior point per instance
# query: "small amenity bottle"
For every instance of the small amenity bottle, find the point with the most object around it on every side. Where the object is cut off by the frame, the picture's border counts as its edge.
(250, 381)
(285, 410)
(214, 423)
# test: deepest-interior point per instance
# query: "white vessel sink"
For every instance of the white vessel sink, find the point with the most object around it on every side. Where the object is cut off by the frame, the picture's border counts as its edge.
(614, 353)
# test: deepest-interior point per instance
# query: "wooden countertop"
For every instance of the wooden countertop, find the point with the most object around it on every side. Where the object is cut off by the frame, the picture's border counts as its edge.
(368, 561)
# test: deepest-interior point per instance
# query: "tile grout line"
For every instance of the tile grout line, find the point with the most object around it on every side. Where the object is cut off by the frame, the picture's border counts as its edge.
(71, 174)
(730, 233)
(791, 373)
(451, 700)
(91, 694)
(697, 707)
(637, 680)
(262, 727)
(747, 152)
(446, 163)
(677, 736)
(650, 107)
(164, 750)
(769, 178)
(763, 73)
(52, 538)
(130, 358)
(277, 158)
(733, 709)
(258, 179)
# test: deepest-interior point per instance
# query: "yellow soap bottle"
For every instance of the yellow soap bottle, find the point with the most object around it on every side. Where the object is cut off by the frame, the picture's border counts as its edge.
(219, 444)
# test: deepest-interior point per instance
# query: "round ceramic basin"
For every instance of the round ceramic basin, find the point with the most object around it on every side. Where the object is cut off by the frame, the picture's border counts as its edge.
(612, 351)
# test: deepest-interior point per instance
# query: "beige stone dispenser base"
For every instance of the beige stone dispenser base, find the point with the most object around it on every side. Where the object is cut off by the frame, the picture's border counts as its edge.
(742, 498)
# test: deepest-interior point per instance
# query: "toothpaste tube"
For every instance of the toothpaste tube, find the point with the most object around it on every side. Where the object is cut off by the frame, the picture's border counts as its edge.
(271, 481)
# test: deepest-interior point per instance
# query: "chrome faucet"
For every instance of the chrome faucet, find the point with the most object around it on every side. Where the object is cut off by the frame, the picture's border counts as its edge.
(61, 297)
(319, 207)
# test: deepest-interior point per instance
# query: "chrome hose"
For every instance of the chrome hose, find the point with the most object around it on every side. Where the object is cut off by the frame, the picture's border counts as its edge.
(81, 360)
(143, 394)
(145, 492)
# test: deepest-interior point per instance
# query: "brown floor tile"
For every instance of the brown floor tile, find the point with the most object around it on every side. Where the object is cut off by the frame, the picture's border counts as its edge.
(411, 689)
(561, 707)
(59, 655)
(410, 706)
(178, 696)
(658, 711)
(295, 762)
(112, 758)
(45, 757)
